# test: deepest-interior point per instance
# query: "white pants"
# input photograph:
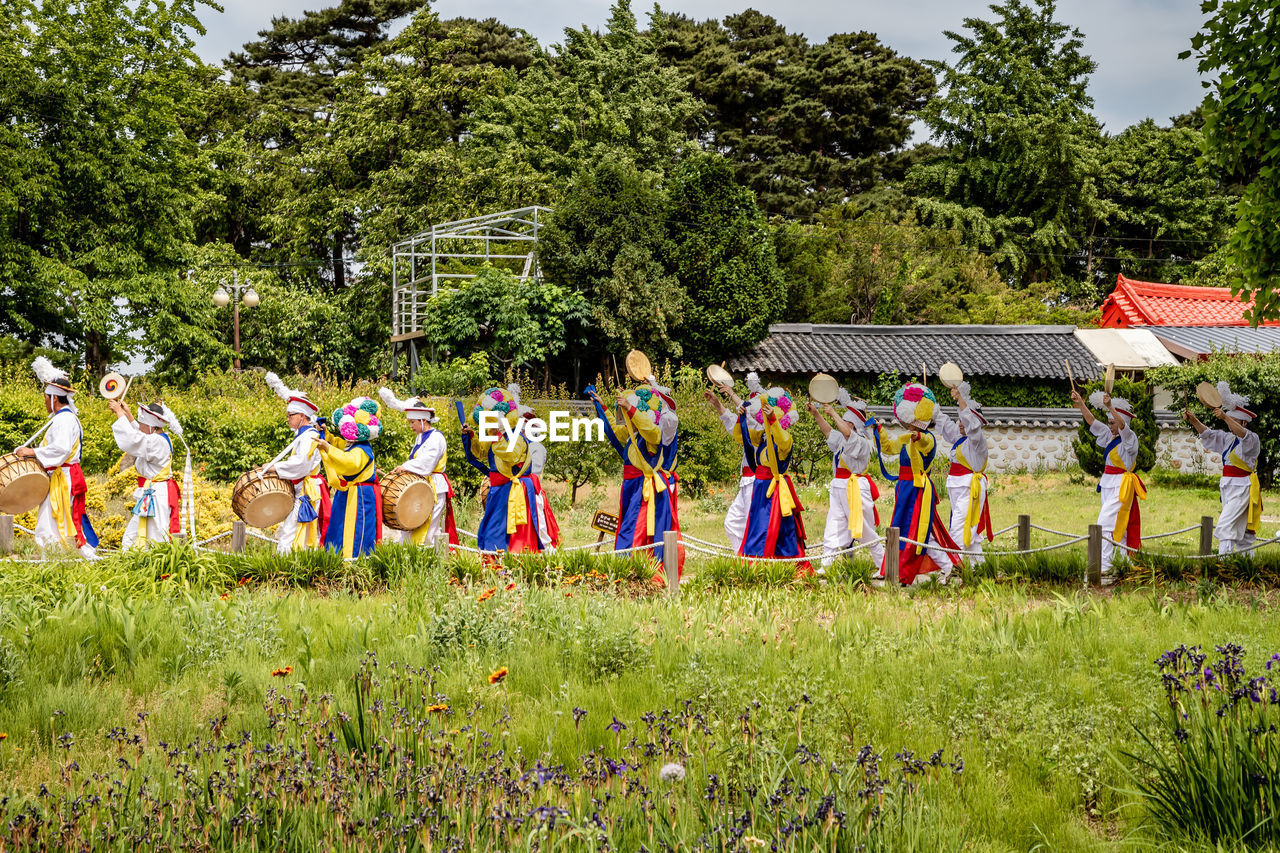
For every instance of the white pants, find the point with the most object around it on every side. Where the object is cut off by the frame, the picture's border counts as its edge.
(157, 526)
(1233, 521)
(436, 529)
(958, 492)
(47, 534)
(544, 536)
(735, 522)
(836, 535)
(288, 529)
(1110, 492)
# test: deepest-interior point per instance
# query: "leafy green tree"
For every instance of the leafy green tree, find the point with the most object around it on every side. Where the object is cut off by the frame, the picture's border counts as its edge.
(805, 125)
(1256, 375)
(1019, 172)
(721, 251)
(600, 92)
(1167, 208)
(1089, 454)
(1239, 44)
(607, 239)
(516, 322)
(97, 170)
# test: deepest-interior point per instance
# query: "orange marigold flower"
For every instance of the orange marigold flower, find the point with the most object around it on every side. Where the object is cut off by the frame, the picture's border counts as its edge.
(165, 577)
(225, 596)
(497, 675)
(437, 709)
(511, 585)
(487, 594)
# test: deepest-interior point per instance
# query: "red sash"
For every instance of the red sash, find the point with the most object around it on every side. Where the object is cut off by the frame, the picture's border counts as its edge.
(553, 528)
(959, 470)
(78, 491)
(748, 472)
(1233, 471)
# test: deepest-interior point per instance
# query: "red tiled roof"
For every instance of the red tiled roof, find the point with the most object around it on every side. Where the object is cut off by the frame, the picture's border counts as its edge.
(1145, 303)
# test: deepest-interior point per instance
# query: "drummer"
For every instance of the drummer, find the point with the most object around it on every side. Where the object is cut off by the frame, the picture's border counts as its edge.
(148, 449)
(967, 479)
(308, 521)
(735, 520)
(427, 459)
(61, 517)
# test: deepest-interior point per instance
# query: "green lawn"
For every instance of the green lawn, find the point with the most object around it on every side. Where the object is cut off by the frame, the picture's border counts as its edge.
(156, 671)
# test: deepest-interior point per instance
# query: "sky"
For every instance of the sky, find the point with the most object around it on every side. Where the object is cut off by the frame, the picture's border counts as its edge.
(1134, 42)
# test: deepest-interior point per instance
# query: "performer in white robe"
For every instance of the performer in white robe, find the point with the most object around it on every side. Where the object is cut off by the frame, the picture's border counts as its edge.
(967, 479)
(308, 521)
(427, 458)
(851, 508)
(149, 450)
(1120, 487)
(1239, 489)
(735, 520)
(61, 519)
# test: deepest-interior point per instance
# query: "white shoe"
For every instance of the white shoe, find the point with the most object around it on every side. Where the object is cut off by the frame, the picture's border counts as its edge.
(88, 552)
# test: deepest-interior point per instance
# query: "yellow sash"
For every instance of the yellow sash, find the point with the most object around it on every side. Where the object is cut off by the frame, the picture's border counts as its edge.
(1131, 489)
(973, 514)
(921, 480)
(308, 535)
(60, 495)
(353, 504)
(653, 482)
(1255, 492)
(777, 484)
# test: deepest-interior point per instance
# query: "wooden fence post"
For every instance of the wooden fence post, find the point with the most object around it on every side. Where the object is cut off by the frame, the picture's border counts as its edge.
(1093, 570)
(1024, 533)
(671, 561)
(891, 558)
(239, 535)
(6, 534)
(1206, 534)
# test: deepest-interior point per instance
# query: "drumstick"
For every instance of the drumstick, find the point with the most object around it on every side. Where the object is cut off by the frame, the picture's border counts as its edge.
(924, 374)
(1072, 379)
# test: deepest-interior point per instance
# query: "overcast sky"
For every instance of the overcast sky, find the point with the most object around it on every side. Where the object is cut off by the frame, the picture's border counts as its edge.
(1135, 42)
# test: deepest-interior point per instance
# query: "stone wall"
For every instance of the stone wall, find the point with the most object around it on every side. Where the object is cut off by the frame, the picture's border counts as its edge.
(1023, 448)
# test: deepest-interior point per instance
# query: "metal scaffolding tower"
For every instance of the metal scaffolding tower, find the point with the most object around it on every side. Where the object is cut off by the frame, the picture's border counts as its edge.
(449, 252)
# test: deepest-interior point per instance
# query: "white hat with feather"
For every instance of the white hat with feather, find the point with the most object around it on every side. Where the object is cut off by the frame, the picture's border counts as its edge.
(297, 402)
(1235, 405)
(55, 380)
(413, 407)
(1122, 406)
(855, 411)
(160, 416)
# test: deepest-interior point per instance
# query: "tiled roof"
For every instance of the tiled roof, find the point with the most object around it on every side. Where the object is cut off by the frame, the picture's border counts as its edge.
(1145, 303)
(1195, 341)
(1033, 352)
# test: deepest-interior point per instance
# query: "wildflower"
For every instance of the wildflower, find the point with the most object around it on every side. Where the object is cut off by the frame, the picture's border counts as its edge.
(438, 708)
(616, 726)
(511, 586)
(3, 736)
(671, 772)
(568, 595)
(497, 675)
(578, 714)
(752, 841)
(225, 596)
(487, 594)
(281, 673)
(242, 581)
(165, 577)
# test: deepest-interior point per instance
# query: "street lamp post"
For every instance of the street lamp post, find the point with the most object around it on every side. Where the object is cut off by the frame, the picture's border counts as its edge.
(235, 294)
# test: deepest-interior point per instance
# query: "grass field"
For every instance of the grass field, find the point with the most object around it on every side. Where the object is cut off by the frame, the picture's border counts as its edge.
(154, 701)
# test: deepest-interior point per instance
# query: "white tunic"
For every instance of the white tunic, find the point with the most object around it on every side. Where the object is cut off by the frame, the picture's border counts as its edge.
(61, 448)
(150, 455)
(1223, 442)
(967, 426)
(303, 458)
(735, 520)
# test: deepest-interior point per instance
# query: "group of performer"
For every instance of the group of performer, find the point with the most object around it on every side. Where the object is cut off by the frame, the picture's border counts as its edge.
(331, 465)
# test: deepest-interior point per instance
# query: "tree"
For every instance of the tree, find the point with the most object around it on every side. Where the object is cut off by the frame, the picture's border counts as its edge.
(1239, 43)
(598, 93)
(1168, 209)
(721, 251)
(516, 322)
(606, 240)
(804, 125)
(97, 171)
(1019, 176)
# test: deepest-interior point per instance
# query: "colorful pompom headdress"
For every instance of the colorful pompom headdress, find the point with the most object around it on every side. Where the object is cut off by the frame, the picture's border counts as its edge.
(296, 402)
(914, 405)
(779, 399)
(1235, 405)
(55, 380)
(523, 411)
(1097, 399)
(648, 403)
(413, 407)
(497, 400)
(358, 421)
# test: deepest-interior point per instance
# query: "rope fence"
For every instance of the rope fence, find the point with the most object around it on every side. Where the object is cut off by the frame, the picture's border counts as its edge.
(892, 540)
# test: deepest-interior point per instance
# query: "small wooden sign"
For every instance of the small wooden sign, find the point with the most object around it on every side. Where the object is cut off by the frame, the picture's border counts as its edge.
(605, 523)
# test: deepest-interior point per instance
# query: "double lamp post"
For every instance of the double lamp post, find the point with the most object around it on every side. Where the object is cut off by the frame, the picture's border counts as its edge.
(235, 293)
